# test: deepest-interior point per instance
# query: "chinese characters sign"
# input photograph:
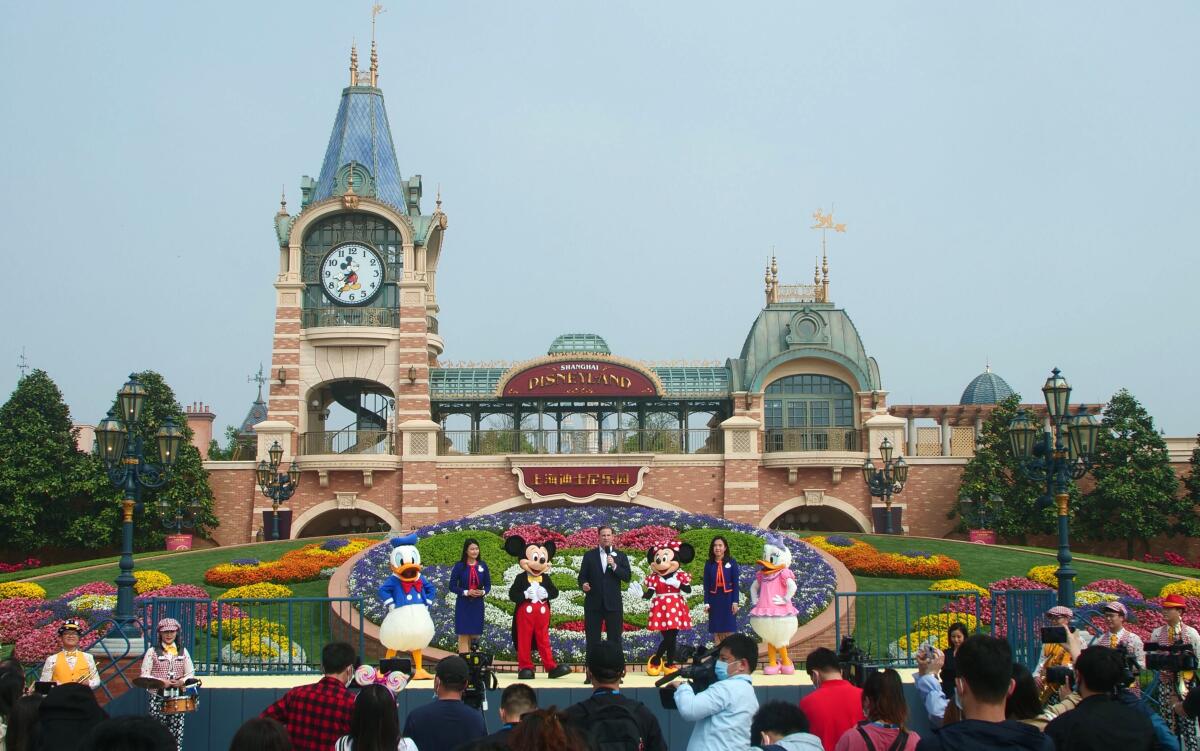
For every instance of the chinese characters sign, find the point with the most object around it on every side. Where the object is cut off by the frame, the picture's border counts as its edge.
(585, 378)
(580, 484)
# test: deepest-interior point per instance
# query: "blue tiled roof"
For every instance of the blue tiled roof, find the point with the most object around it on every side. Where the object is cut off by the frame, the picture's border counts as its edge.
(361, 135)
(986, 388)
(257, 413)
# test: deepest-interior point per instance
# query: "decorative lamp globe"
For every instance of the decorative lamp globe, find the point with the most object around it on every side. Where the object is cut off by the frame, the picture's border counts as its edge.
(900, 471)
(170, 440)
(276, 454)
(1021, 434)
(1085, 428)
(110, 439)
(132, 397)
(1058, 393)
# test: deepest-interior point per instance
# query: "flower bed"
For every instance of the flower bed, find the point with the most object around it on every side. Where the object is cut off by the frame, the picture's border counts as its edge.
(264, 591)
(637, 527)
(865, 559)
(1187, 588)
(1044, 575)
(22, 589)
(8, 568)
(149, 581)
(300, 565)
(957, 585)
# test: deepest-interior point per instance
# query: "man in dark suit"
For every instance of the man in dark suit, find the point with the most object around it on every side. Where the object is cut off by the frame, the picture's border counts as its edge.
(600, 577)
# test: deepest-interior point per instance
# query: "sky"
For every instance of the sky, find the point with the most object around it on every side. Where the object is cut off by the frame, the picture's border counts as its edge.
(1018, 181)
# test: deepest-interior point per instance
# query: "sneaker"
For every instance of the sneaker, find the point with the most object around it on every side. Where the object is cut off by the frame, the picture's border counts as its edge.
(558, 672)
(525, 675)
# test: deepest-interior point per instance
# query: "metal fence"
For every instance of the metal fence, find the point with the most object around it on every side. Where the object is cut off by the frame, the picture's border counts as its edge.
(231, 637)
(811, 439)
(892, 626)
(607, 441)
(347, 441)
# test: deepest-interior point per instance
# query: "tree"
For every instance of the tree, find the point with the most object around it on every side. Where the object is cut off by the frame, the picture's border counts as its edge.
(218, 454)
(1191, 484)
(45, 482)
(993, 492)
(1135, 495)
(188, 481)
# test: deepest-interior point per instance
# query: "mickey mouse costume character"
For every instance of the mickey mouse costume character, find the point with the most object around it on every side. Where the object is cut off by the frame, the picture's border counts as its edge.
(531, 591)
(669, 613)
(407, 594)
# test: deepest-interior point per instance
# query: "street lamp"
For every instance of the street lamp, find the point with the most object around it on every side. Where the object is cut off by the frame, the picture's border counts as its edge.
(883, 483)
(1057, 457)
(123, 453)
(178, 516)
(276, 485)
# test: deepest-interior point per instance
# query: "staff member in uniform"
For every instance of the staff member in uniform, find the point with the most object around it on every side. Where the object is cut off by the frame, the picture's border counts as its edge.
(470, 580)
(171, 664)
(71, 665)
(720, 589)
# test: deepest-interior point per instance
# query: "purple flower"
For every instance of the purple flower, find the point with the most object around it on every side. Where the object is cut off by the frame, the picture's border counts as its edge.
(245, 562)
(336, 544)
(916, 553)
(840, 541)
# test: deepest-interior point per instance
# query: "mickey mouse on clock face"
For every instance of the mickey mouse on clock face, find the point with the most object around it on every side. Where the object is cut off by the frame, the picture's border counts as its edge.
(669, 613)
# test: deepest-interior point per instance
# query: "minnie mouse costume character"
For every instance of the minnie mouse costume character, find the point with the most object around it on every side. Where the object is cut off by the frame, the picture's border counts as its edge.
(669, 613)
(531, 591)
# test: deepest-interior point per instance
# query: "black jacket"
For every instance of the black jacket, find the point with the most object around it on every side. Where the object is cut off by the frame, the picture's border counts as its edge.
(1101, 722)
(606, 585)
(652, 735)
(977, 735)
(516, 592)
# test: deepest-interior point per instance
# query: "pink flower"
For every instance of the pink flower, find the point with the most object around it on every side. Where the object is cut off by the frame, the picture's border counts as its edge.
(1114, 587)
(92, 588)
(533, 533)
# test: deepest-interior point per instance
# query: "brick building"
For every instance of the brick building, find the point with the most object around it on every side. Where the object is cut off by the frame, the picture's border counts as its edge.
(386, 435)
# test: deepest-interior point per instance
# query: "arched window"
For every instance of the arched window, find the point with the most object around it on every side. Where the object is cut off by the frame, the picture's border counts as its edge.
(809, 413)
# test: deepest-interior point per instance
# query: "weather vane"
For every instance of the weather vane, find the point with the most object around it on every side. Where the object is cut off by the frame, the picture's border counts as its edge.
(23, 364)
(824, 222)
(375, 11)
(258, 378)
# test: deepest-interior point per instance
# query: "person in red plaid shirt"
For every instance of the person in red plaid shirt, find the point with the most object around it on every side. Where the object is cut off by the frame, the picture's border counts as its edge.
(318, 714)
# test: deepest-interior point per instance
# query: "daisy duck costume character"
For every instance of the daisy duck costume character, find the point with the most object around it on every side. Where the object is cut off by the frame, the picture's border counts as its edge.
(407, 594)
(669, 611)
(773, 616)
(531, 592)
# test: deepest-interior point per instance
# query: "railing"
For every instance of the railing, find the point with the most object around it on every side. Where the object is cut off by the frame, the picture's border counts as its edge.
(315, 317)
(607, 441)
(233, 637)
(892, 626)
(811, 439)
(347, 442)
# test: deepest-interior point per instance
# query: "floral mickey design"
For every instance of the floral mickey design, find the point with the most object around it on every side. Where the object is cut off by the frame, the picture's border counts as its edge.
(666, 584)
(531, 592)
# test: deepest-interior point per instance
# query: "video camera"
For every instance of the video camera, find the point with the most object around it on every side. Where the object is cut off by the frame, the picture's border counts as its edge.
(482, 677)
(699, 671)
(853, 661)
(1174, 658)
(1130, 669)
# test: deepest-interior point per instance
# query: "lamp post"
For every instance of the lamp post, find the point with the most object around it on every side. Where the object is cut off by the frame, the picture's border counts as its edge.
(1056, 457)
(886, 481)
(123, 453)
(276, 485)
(179, 516)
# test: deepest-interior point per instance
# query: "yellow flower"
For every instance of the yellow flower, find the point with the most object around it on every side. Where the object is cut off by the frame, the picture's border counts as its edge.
(957, 585)
(237, 627)
(1087, 597)
(148, 581)
(1187, 588)
(22, 589)
(264, 591)
(1044, 575)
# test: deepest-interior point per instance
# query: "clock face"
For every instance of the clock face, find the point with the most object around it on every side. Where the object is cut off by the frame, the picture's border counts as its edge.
(352, 274)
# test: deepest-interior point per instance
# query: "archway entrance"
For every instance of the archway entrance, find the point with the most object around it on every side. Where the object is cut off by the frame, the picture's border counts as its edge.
(357, 521)
(816, 519)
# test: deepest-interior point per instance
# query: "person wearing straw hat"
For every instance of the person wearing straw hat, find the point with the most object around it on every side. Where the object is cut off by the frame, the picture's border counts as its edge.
(1170, 698)
(170, 663)
(71, 665)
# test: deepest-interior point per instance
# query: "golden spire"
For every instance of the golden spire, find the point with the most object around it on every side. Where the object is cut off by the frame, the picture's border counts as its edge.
(350, 198)
(283, 201)
(768, 287)
(440, 215)
(816, 273)
(353, 64)
(375, 11)
(774, 267)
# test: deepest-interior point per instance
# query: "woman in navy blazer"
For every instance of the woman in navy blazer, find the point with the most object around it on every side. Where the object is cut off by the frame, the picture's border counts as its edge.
(720, 590)
(470, 580)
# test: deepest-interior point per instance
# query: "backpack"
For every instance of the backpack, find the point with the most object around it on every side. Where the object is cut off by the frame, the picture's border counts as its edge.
(613, 727)
(897, 744)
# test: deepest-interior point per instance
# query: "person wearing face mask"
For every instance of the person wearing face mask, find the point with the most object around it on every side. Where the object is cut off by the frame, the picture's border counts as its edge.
(721, 713)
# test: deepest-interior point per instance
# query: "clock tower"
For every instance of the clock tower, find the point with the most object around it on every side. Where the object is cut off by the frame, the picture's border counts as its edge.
(356, 322)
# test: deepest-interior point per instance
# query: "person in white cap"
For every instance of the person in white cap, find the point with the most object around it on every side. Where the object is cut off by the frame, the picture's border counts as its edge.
(71, 665)
(1116, 636)
(171, 664)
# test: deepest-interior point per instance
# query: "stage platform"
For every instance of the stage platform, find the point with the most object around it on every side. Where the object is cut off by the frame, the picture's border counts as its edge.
(226, 701)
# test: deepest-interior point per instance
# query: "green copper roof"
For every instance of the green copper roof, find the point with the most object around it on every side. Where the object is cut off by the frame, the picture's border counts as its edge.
(789, 331)
(592, 344)
(986, 388)
(481, 383)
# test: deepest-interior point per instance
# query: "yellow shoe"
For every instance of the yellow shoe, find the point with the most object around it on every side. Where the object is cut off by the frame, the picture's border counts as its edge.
(654, 666)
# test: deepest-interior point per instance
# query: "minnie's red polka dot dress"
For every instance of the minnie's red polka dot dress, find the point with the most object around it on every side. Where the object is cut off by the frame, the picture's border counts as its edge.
(670, 609)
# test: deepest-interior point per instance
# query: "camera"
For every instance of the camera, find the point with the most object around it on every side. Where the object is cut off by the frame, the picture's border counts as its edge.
(1054, 635)
(1064, 675)
(1174, 658)
(697, 668)
(1130, 669)
(481, 678)
(853, 661)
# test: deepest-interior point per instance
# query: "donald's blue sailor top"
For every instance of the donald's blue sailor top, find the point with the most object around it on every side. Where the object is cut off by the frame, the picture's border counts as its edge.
(398, 593)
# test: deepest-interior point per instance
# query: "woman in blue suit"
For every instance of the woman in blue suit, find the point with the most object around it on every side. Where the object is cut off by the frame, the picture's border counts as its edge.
(720, 589)
(470, 580)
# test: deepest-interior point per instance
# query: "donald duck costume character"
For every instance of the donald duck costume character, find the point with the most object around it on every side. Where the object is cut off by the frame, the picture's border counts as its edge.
(773, 616)
(407, 594)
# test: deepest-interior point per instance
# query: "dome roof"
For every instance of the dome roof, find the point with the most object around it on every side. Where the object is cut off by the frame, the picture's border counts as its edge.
(589, 344)
(986, 388)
